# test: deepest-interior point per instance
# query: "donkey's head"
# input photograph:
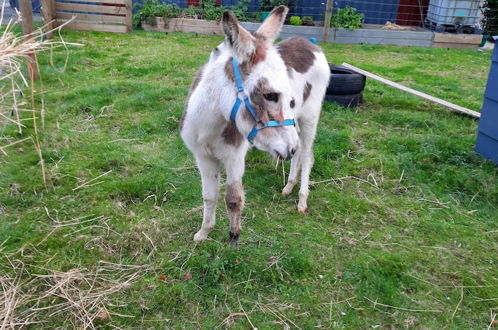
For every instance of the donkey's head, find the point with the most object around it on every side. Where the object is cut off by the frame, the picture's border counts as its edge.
(265, 81)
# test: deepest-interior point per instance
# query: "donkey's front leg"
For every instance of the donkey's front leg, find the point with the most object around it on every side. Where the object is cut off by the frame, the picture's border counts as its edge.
(209, 168)
(293, 173)
(307, 136)
(234, 196)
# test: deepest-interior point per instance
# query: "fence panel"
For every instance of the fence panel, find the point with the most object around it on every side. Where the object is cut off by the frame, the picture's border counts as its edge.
(109, 16)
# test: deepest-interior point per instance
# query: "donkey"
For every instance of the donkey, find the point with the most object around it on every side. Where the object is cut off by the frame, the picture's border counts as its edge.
(252, 92)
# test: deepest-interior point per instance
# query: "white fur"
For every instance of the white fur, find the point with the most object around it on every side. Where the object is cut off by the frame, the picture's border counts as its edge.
(208, 112)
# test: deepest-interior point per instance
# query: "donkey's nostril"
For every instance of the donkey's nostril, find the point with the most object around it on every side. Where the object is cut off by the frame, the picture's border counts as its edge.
(292, 151)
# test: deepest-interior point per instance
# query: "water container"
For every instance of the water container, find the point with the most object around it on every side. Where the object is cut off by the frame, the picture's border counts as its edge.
(455, 12)
(487, 136)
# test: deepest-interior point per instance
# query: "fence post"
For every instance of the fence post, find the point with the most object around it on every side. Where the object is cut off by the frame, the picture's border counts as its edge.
(129, 20)
(326, 23)
(49, 17)
(27, 30)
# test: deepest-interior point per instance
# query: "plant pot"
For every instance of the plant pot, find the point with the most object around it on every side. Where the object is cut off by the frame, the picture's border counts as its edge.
(264, 15)
(485, 38)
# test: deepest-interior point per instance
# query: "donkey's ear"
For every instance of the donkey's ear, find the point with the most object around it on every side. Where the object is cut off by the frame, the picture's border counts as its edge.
(270, 29)
(239, 39)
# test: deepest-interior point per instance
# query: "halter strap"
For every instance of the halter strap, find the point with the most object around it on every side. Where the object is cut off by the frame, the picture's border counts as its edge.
(242, 97)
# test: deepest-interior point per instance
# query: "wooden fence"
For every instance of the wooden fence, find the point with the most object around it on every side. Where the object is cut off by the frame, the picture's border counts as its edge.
(108, 16)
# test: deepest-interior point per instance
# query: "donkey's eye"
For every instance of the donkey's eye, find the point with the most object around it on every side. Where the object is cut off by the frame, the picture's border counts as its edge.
(271, 97)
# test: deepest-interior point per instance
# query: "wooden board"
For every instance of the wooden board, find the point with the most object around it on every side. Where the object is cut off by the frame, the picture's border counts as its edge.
(96, 27)
(91, 8)
(454, 45)
(458, 38)
(447, 104)
(93, 18)
(461, 41)
(184, 25)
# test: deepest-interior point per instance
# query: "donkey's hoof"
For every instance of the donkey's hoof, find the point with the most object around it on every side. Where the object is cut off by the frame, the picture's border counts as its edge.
(200, 237)
(301, 209)
(234, 239)
(287, 189)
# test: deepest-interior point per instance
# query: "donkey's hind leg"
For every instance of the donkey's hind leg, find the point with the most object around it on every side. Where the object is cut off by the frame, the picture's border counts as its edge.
(209, 168)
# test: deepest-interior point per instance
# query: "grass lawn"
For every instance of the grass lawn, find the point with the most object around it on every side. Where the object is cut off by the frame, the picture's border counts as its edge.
(400, 232)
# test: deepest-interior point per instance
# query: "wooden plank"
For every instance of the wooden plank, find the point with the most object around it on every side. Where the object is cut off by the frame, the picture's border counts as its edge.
(91, 8)
(326, 23)
(27, 30)
(447, 104)
(184, 25)
(129, 17)
(96, 27)
(93, 18)
(371, 33)
(46, 15)
(53, 13)
(458, 38)
(116, 2)
(454, 45)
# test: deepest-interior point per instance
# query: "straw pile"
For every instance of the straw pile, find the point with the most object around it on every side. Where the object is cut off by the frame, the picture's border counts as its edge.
(14, 108)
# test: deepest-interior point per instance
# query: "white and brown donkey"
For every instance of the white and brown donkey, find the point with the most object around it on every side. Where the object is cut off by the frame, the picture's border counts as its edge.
(253, 92)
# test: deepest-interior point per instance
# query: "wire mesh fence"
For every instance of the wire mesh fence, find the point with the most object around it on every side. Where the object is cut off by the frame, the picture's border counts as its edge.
(437, 15)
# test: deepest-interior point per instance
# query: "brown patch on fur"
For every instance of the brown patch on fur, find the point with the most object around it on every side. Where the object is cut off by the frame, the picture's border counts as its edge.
(260, 104)
(279, 11)
(244, 69)
(306, 91)
(194, 85)
(229, 70)
(231, 135)
(297, 53)
(234, 199)
(260, 53)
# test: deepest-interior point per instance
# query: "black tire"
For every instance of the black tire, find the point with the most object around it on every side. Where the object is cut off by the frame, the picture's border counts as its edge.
(348, 100)
(344, 81)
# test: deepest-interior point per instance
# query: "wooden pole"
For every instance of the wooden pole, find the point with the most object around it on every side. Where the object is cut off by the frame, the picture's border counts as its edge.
(27, 30)
(129, 20)
(447, 104)
(326, 23)
(49, 19)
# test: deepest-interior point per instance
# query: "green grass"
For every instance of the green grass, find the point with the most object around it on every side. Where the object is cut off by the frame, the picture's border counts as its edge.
(417, 232)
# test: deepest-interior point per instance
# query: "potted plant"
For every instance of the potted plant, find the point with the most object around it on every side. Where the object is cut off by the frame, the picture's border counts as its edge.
(150, 10)
(347, 18)
(308, 21)
(265, 6)
(161, 17)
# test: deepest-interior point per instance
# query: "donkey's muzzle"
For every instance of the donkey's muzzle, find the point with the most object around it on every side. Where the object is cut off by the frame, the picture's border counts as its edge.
(290, 153)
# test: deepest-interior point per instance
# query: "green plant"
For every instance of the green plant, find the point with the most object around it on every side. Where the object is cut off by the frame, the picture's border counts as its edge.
(192, 12)
(347, 18)
(150, 9)
(268, 5)
(490, 17)
(207, 10)
(296, 20)
(308, 21)
(210, 11)
(240, 10)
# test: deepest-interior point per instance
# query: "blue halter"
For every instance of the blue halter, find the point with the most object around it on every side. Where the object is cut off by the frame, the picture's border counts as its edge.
(242, 97)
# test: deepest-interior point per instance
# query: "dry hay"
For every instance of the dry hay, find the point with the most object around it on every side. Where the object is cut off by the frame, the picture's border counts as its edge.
(15, 109)
(76, 298)
(392, 26)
